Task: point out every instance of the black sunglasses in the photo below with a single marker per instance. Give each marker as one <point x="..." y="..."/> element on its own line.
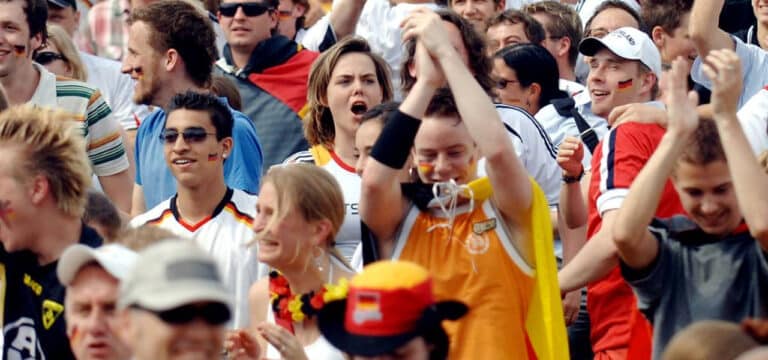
<point x="249" y="8"/>
<point x="212" y="313"/>
<point x="190" y="135"/>
<point x="47" y="57"/>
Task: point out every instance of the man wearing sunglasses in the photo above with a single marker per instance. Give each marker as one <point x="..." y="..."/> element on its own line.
<point x="26" y="82"/>
<point x="197" y="140"/>
<point x="165" y="60"/>
<point x="271" y="73"/>
<point x="174" y="304"/>
<point x="92" y="277"/>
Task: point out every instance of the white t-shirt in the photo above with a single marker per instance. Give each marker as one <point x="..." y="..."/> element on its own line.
<point x="754" y="62"/>
<point x="753" y="117"/>
<point x="225" y="235"/>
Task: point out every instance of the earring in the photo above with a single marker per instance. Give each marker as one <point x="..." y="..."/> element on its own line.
<point x="319" y="258"/>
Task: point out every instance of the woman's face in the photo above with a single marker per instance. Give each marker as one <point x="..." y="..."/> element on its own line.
<point x="50" y="57"/>
<point x="352" y="90"/>
<point x="444" y="151"/>
<point x="416" y="349"/>
<point x="508" y="88"/>
<point x="281" y="241"/>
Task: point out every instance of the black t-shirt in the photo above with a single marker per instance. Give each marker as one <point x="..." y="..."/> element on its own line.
<point x="32" y="301"/>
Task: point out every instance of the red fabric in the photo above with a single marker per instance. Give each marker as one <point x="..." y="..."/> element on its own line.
<point x="376" y="312"/>
<point x="288" y="81"/>
<point x="614" y="319"/>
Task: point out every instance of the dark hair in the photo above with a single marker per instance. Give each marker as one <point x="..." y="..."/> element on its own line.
<point x="442" y="104"/>
<point x="533" y="29"/>
<point x="613" y="4"/>
<point x="99" y="209"/>
<point x="220" y="115"/>
<point x="479" y="63"/>
<point x="564" y="21"/>
<point x="319" y="126"/>
<point x="705" y="146"/>
<point x="664" y="13"/>
<point x="37" y="15"/>
<point x="381" y="112"/>
<point x="178" y="25"/>
<point x="532" y="63"/>
<point x="224" y="87"/>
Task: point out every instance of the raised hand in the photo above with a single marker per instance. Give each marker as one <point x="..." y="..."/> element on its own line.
<point x="288" y="345"/>
<point x="569" y="156"/>
<point x="426" y="27"/>
<point x="241" y="345"/>
<point x="637" y="112"/>
<point x="427" y="69"/>
<point x="681" y="103"/>
<point x="723" y="68"/>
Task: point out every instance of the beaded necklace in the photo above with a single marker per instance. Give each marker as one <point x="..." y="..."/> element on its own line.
<point x="289" y="308"/>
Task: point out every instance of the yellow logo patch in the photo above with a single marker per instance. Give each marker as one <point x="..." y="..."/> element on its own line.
<point x="51" y="312"/>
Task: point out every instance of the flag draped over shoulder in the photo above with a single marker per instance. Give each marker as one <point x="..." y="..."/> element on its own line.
<point x="545" y="324"/>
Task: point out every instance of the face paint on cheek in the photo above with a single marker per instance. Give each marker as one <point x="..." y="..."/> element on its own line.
<point x="625" y="85"/>
<point x="213" y="157"/>
<point x="74" y="337"/>
<point x="425" y="168"/>
<point x="19" y="50"/>
<point x="6" y="212"/>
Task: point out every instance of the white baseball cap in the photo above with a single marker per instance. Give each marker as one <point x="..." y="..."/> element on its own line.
<point x="628" y="43"/>
<point x="116" y="259"/>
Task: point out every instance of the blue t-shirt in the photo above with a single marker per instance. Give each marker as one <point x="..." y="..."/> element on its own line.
<point x="242" y="169"/>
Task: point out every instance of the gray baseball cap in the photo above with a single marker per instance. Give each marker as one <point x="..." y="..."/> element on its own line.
<point x="171" y="274"/>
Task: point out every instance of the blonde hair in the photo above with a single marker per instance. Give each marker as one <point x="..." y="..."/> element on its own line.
<point x="140" y="237"/>
<point x="307" y="191"/>
<point x="709" y="340"/>
<point x="318" y="123"/>
<point x="50" y="144"/>
<point x="59" y="37"/>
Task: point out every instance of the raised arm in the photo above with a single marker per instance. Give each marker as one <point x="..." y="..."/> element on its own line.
<point x="572" y="206"/>
<point x="746" y="172"/>
<point x="512" y="189"/>
<point x="382" y="204"/>
<point x="704" y="27"/>
<point x="635" y="244"/>
<point x="344" y="16"/>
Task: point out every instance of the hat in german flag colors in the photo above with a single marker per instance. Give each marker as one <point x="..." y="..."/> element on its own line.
<point x="388" y="304"/>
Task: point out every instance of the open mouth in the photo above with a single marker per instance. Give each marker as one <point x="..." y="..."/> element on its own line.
<point x="182" y="161"/>
<point x="359" y="108"/>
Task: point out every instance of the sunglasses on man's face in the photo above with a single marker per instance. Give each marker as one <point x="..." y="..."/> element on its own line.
<point x="191" y="135"/>
<point x="249" y="8"/>
<point x="212" y="313"/>
<point x="47" y="57"/>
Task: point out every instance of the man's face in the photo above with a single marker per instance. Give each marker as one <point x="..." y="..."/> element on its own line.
<point x="552" y="44"/>
<point x="287" y="13"/>
<point x="477" y="12"/>
<point x="68" y="18"/>
<point x="243" y="31"/>
<point x="505" y="34"/>
<point x="16" y="45"/>
<point x="706" y="193"/>
<point x="197" y="158"/>
<point x="678" y="43"/>
<point x="444" y="150"/>
<point x="144" y="65"/>
<point x="614" y="81"/>
<point x="151" y="338"/>
<point x="760" y="8"/>
<point x="609" y="20"/>
<point x="15" y="210"/>
<point x="90" y="314"/>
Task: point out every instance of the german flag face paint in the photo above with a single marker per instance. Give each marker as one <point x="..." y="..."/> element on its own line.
<point x="19" y="50"/>
<point x="213" y="157"/>
<point x="6" y="212"/>
<point x="625" y="85"/>
<point x="426" y="168"/>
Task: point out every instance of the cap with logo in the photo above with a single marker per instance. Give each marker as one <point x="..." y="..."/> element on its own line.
<point x="115" y="259"/>
<point x="628" y="43"/>
<point x="171" y="274"/>
<point x="64" y="3"/>
<point x="388" y="304"/>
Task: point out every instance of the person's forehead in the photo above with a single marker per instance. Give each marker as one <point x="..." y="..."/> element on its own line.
<point x="93" y="272"/>
<point x="11" y="11"/>
<point x="607" y="55"/>
<point x="188" y="116"/>
<point x="613" y="18"/>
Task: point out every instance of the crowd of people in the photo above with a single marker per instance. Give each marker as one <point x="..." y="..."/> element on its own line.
<point x="380" y="179"/>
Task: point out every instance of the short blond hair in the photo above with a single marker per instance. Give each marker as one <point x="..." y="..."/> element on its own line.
<point x="308" y="191"/>
<point x="140" y="237"/>
<point x="709" y="340"/>
<point x="59" y="38"/>
<point x="49" y="144"/>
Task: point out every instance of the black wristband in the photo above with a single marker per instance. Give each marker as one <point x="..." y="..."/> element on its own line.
<point x="573" y="179"/>
<point x="396" y="139"/>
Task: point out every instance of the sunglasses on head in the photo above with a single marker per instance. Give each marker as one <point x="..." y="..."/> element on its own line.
<point x="47" y="57"/>
<point x="212" y="313"/>
<point x="249" y="8"/>
<point x="190" y="135"/>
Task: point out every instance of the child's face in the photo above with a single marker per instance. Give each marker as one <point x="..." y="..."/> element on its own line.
<point x="706" y="193"/>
